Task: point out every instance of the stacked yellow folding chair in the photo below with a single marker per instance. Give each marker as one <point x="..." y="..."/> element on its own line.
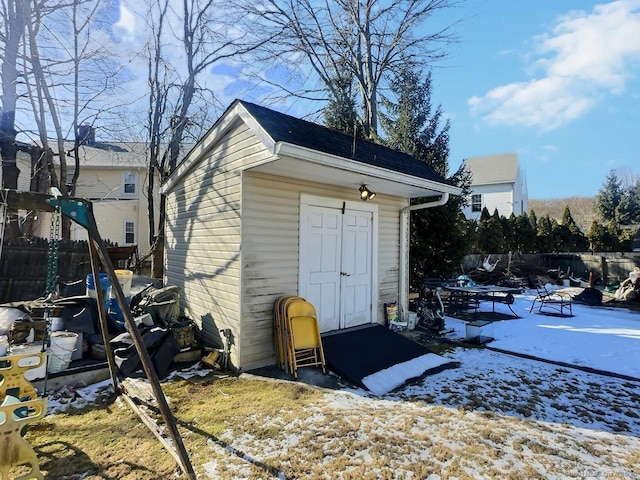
<point x="304" y="342"/>
<point x="281" y="329"/>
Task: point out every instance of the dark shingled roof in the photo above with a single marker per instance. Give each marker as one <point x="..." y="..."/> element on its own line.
<point x="285" y="128"/>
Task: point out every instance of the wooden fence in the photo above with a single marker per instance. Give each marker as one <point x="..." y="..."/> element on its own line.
<point x="608" y="267"/>
<point x="23" y="266"/>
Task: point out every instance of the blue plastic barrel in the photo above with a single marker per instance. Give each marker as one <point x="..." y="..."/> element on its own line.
<point x="104" y="286"/>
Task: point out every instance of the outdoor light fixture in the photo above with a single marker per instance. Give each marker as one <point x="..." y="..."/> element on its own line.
<point x="365" y="193"/>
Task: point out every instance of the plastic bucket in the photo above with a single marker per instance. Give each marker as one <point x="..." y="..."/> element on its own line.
<point x="104" y="287"/>
<point x="412" y="320"/>
<point x="125" y="278"/>
<point x="63" y="345"/>
<point x="57" y="323"/>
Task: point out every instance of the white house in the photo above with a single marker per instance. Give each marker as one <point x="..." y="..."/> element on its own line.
<point x="499" y="183"/>
<point x="114" y="176"/>
<point x="268" y="205"/>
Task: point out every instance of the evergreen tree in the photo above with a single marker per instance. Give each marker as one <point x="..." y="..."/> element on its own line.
<point x="508" y="244"/>
<point x="525" y="236"/>
<point x="412" y="125"/>
<point x="636" y="201"/>
<point x="534" y="220"/>
<point x="612" y="237"/>
<point x="560" y="236"/>
<point x="340" y="113"/>
<point x="625" y="239"/>
<point x="578" y="239"/>
<point x="484" y="214"/>
<point x="490" y="236"/>
<point x="608" y="197"/>
<point x="628" y="210"/>
<point x="574" y="240"/>
<point x="440" y="237"/>
<point x="544" y="238"/>
<point x="596" y="237"/>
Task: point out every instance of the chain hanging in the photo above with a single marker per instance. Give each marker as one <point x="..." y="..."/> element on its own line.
<point x="52" y="258"/>
<point x="3" y="219"/>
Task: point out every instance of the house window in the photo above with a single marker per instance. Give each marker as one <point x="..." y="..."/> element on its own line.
<point x="129" y="182"/>
<point x="476" y="203"/>
<point x="129" y="232"/>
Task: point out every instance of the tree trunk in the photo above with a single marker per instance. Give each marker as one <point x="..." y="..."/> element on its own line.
<point x="157" y="260"/>
<point x="13" y="30"/>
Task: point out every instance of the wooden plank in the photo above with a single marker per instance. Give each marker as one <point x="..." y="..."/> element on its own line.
<point x="140" y="390"/>
<point x="18" y="200"/>
<point x="156" y="430"/>
<point x="147" y="365"/>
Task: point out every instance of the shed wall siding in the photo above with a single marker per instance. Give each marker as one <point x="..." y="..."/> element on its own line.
<point x="270" y="246"/>
<point x="203" y="236"/>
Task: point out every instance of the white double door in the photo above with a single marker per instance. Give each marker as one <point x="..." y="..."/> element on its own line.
<point x="336" y="263"/>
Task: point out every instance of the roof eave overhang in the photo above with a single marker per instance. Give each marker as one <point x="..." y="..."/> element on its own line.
<point x="353" y="172"/>
<point x="420" y="186"/>
<point x="226" y="122"/>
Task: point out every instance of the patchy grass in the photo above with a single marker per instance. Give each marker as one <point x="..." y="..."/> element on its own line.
<point x="250" y="428"/>
<point x="107" y="441"/>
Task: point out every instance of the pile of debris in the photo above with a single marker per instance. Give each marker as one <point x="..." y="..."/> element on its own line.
<point x="629" y="289"/>
<point x="170" y="339"/>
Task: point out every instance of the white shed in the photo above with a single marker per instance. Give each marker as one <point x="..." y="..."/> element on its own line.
<point x="267" y="205"/>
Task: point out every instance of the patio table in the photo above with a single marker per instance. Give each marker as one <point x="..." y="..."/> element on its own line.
<point x="470" y="297"/>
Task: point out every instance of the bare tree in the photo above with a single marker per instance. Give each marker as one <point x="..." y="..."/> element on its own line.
<point x="207" y="32"/>
<point x="367" y="40"/>
<point x="11" y="32"/>
<point x="65" y="69"/>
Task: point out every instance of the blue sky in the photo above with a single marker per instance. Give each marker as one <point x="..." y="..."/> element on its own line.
<point x="554" y="81"/>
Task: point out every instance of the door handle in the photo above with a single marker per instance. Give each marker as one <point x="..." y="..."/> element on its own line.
<point x="345" y="274"/>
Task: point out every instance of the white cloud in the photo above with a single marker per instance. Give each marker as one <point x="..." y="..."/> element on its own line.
<point x="584" y="58"/>
<point x="125" y="27"/>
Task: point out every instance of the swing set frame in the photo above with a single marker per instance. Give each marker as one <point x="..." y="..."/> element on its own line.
<point x="81" y="212"/>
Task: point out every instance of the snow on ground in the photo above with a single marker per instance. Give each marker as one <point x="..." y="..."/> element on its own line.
<point x="603" y="338"/>
<point x="495" y="415"/>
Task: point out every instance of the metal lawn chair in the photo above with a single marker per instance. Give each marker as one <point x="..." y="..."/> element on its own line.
<point x="559" y="302"/>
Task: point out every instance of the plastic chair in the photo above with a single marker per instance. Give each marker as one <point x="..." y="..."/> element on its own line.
<point x="558" y="301"/>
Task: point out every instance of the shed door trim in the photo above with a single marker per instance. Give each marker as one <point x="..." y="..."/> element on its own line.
<point x="307" y="203"/>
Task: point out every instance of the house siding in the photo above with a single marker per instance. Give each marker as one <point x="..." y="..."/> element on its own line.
<point x="203" y="236"/>
<point x="520" y="199"/>
<point x="110" y="216"/>
<point x="24" y="177"/>
<point x="107" y="183"/>
<point x="501" y="182"/>
<point x="270" y="248"/>
<point x="498" y="196"/>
